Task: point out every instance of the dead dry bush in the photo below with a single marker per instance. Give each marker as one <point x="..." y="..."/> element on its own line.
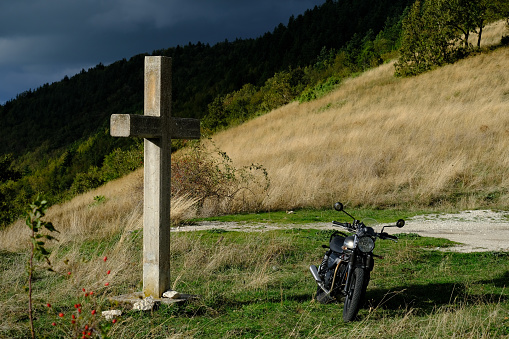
<point x="207" y="175"/>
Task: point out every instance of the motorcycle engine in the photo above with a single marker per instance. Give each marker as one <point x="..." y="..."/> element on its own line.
<point x="332" y="260"/>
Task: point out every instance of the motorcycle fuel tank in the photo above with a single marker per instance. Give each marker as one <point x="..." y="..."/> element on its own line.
<point x="336" y="244"/>
<point x="349" y="242"/>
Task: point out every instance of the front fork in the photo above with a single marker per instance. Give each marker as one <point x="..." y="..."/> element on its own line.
<point x="365" y="262"/>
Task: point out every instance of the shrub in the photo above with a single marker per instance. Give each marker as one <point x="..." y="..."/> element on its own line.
<point x="86" y="181"/>
<point x="34" y="213"/>
<point x="320" y="90"/>
<point x="120" y="162"/>
<point x="211" y="179"/>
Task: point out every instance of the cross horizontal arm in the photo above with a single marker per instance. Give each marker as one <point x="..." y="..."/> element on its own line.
<point x="184" y="128"/>
<point x="143" y="126"/>
<point x="132" y="125"/>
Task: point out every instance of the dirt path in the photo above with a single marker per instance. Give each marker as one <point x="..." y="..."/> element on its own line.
<point x="476" y="231"/>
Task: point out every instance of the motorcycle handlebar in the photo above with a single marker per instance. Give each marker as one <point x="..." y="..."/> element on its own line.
<point x="349" y="227"/>
<point x="342" y="224"/>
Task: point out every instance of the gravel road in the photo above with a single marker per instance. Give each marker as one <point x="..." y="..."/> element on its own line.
<point x="476" y="231"/>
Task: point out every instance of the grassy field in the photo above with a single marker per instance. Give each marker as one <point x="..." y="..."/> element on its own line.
<point x="258" y="285"/>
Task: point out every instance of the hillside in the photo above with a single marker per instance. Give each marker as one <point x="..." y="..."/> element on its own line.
<point x="66" y="111"/>
<point x="436" y="140"/>
<point x="439" y="139"/>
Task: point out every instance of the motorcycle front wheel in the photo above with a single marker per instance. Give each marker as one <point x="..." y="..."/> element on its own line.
<point x="354" y="295"/>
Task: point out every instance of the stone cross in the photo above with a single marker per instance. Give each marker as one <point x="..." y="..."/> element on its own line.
<point x="158" y="128"/>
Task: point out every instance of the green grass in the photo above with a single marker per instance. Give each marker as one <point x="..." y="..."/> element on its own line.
<point x="258" y="285"/>
<point x="303" y="216"/>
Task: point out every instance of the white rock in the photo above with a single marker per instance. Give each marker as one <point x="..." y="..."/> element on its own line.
<point x="171" y="294"/>
<point x="111" y="314"/>
<point x="145" y="305"/>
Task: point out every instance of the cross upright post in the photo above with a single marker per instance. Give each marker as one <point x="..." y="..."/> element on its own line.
<point x="158" y="128"/>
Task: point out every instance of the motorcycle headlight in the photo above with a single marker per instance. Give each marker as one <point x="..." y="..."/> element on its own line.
<point x="366" y="244"/>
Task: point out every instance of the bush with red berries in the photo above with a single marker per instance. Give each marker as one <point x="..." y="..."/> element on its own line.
<point x="83" y="321"/>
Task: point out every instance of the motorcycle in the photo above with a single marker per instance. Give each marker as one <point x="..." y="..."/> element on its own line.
<point x="346" y="266"/>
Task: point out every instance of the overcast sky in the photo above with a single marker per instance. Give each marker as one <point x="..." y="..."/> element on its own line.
<point x="41" y="41"/>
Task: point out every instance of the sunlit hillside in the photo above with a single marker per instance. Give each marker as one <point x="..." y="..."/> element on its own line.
<point x="438" y="139"/>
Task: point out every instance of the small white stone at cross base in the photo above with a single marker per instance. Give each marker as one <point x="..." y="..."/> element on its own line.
<point x="111" y="314"/>
<point x="145" y="305"/>
<point x="171" y="294"/>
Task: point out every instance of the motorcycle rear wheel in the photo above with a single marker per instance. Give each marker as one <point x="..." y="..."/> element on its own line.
<point x="354" y="296"/>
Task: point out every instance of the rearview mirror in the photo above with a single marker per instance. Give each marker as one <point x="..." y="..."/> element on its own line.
<point x="400" y="223"/>
<point x="338" y="206"/>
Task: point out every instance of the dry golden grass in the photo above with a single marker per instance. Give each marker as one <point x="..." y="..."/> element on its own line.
<point x="204" y="262"/>
<point x="85" y="218"/>
<point x="81" y="218"/>
<point x="491" y="35"/>
<point x="88" y="230"/>
<point x="380" y="140"/>
<point x="457" y="320"/>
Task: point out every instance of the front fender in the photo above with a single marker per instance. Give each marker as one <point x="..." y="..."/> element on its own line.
<point x="364" y="261"/>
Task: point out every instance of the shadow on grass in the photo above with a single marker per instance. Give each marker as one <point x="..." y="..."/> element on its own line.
<point x="427" y="297"/>
<point x="421" y="298"/>
<point x="502" y="281"/>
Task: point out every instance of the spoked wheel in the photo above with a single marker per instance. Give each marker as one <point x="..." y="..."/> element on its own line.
<point x="354" y="295"/>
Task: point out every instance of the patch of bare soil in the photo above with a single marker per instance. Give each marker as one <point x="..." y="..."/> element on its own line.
<point x="475" y="231"/>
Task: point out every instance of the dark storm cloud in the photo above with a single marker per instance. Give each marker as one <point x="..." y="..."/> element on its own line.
<point x="41" y="41"/>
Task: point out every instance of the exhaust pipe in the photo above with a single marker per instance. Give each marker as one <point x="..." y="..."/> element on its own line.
<point x="314" y="272"/>
<point x="319" y="281"/>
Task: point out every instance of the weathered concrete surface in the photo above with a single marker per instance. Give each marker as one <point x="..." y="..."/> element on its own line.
<point x="157" y="127"/>
<point x="137" y="298"/>
<point x="157" y="191"/>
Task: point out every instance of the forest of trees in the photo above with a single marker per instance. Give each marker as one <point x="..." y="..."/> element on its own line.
<point x="55" y="140"/>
